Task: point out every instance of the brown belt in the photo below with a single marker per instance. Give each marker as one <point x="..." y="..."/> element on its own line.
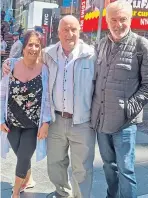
<point x="64" y="114"/>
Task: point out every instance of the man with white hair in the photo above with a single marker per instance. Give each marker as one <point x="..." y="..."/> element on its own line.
<point x="120" y="94"/>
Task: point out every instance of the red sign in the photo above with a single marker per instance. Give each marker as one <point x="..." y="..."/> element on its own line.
<point x="45" y="35"/>
<point x="89" y="18"/>
<point x="82" y="13"/>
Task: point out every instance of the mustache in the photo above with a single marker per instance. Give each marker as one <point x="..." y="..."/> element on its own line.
<point x="119" y="29"/>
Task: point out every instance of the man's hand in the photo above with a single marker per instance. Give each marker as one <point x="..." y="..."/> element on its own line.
<point x="4" y="128"/>
<point x="6" y="67"/>
<point x="43" y="131"/>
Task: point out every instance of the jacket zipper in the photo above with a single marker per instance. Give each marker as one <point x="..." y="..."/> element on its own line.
<point x="74" y="87"/>
<point x="55" y="77"/>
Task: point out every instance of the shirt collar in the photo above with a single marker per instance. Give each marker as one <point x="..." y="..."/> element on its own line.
<point x="72" y="55"/>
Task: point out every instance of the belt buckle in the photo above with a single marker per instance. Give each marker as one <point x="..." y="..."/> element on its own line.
<point x="64" y="116"/>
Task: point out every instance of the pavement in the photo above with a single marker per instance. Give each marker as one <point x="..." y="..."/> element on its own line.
<point x="44" y="186"/>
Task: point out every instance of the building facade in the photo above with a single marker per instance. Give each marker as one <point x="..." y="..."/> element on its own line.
<point x="6" y="4"/>
<point x="20" y="10"/>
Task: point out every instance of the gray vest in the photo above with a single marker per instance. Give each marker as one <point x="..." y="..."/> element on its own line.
<point x="121" y="86"/>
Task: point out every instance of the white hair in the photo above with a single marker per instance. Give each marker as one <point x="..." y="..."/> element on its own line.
<point x="119" y="5"/>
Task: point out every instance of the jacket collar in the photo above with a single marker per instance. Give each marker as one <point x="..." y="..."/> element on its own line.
<point x="84" y="50"/>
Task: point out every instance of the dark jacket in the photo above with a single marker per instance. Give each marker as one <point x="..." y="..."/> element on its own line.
<point x="121" y="83"/>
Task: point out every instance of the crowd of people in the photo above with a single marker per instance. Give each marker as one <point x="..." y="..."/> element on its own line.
<point x="10" y="38"/>
<point x="64" y="96"/>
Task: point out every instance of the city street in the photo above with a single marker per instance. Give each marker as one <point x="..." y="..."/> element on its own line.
<point x="44" y="187"/>
<point x="71" y="62"/>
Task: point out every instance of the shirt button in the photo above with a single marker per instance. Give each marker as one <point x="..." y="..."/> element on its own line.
<point x="104" y="77"/>
<point x="102" y="89"/>
<point x="101" y="113"/>
<point x="107" y="65"/>
<point x="101" y="101"/>
<point x="65" y="80"/>
<point x="64" y="89"/>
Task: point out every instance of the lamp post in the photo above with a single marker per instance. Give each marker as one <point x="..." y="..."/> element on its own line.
<point x="100" y="5"/>
<point x="99" y="25"/>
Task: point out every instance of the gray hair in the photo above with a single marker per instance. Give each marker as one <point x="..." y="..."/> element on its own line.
<point x="119" y="5"/>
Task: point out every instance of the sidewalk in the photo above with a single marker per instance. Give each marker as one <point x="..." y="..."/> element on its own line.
<point x="44" y="186"/>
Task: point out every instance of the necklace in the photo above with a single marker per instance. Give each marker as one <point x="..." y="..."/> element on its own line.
<point x="29" y="72"/>
<point x="31" y="67"/>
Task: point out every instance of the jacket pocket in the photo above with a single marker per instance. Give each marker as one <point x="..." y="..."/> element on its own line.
<point x="121" y="72"/>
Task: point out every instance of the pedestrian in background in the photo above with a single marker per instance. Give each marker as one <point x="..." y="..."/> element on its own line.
<point x="16" y="48"/>
<point x="3" y="45"/>
<point x="25" y="109"/>
<point x="22" y="38"/>
<point x="120" y="94"/>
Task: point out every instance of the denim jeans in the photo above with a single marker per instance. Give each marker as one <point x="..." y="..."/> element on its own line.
<point x="118" y="154"/>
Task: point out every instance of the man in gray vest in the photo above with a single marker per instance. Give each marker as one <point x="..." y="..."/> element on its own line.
<point x="120" y="94"/>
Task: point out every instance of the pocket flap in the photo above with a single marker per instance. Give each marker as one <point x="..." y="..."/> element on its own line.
<point x="123" y="66"/>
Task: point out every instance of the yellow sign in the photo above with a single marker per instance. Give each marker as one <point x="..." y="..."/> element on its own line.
<point x="140" y="13"/>
<point x="96" y="14"/>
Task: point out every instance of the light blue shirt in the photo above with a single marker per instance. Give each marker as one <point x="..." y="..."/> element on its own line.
<point x="63" y="89"/>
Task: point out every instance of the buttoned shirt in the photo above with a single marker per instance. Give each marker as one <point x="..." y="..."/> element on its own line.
<point x="63" y="89"/>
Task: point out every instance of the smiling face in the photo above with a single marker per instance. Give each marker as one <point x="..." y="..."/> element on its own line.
<point x="69" y="32"/>
<point x="33" y="48"/>
<point x="119" y="23"/>
<point x="118" y="17"/>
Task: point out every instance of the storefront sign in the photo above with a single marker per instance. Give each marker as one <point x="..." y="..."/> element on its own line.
<point x="82" y="13"/>
<point x="46" y="20"/>
<point x="69" y="3"/>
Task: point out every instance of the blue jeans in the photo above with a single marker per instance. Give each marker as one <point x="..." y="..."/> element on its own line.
<point x="118" y="154"/>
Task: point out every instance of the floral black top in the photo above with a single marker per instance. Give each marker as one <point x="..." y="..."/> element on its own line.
<point x="24" y="102"/>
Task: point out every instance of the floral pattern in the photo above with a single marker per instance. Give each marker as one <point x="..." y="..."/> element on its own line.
<point x="28" y="96"/>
